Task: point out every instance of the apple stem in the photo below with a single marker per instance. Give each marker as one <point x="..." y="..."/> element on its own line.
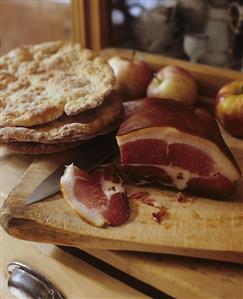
<point x="157" y="78"/>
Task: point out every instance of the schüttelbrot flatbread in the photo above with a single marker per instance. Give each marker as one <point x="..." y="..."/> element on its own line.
<point x="69" y="128"/>
<point x="40" y="83"/>
<point x="32" y="148"/>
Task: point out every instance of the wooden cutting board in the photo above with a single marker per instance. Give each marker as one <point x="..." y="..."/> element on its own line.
<point x="199" y="227"/>
<point x="178" y="276"/>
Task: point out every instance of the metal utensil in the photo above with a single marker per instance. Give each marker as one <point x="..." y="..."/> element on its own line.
<point x="91" y="155"/>
<point x="24" y="282"/>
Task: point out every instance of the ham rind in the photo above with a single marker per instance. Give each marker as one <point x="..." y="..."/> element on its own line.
<point x="165" y="141"/>
<point x="99" y="197"/>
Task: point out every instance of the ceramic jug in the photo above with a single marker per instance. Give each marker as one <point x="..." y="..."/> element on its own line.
<point x="218" y="34"/>
<point x="156" y="29"/>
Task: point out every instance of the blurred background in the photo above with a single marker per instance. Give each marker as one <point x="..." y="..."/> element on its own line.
<point x="33" y="21"/>
<point x="209" y="32"/>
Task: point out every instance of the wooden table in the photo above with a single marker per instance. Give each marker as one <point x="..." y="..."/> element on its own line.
<point x="180" y="277"/>
<point x="73" y="276"/>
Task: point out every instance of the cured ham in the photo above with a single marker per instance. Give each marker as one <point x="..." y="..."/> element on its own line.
<point x="99" y="197"/>
<point x="165" y="141"/>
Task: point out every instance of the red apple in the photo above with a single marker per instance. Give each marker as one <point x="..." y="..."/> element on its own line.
<point x="133" y="76"/>
<point x="229" y="107"/>
<point x="176" y="83"/>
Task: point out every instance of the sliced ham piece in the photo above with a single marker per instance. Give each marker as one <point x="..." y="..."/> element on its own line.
<point x="99" y="197"/>
<point x="167" y="142"/>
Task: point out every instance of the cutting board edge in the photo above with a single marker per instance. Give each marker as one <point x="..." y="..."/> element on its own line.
<point x="30" y="230"/>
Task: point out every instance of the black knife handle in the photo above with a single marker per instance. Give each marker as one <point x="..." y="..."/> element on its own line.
<point x="25" y="282"/>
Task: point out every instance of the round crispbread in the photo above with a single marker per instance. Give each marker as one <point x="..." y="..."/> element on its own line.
<point x="69" y="128"/>
<point x="33" y="148"/>
<point x="40" y="83"/>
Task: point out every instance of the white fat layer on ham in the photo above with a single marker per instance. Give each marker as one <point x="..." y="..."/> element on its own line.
<point x="171" y="135"/>
<point x="180" y="177"/>
<point x="68" y="179"/>
<point x="110" y="188"/>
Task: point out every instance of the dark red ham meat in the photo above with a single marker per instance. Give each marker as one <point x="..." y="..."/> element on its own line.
<point x="99" y="197"/>
<point x="165" y="141"/>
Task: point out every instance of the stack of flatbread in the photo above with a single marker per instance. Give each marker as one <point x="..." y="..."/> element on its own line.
<point x="54" y="96"/>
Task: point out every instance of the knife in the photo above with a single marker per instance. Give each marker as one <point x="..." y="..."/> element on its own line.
<point x="91" y="155"/>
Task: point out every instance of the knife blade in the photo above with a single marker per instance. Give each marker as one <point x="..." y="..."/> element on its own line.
<point x="90" y="155"/>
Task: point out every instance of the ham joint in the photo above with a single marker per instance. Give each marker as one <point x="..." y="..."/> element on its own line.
<point x="98" y="197"/>
<point x="167" y="142"/>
